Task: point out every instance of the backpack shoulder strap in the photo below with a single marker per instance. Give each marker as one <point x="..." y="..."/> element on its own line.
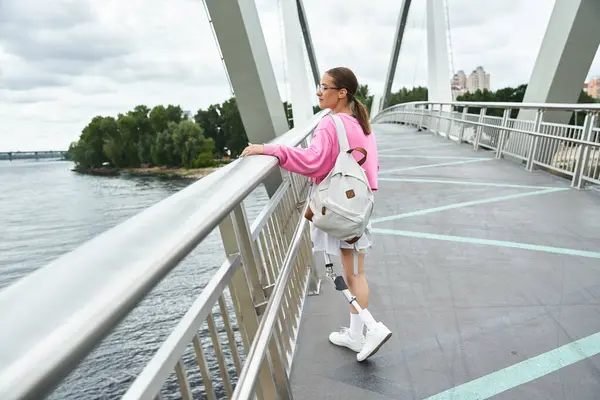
<point x="341" y="133"/>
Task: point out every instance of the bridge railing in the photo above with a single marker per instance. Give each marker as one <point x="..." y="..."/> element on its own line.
<point x="34" y="154"/>
<point x="55" y="316"/>
<point x="520" y="133"/>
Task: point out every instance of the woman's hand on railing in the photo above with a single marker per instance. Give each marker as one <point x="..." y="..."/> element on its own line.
<point x="253" y="149"/>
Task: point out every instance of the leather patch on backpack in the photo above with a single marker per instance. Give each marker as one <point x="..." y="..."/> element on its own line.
<point x="350" y="194"/>
<point x="323" y="210"/>
<point x="353" y="240"/>
<point x="309" y="214"/>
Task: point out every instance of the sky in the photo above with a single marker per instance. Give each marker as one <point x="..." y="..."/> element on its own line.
<point x="62" y="62"/>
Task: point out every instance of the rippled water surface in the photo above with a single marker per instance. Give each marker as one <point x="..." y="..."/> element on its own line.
<point x="47" y="210"/>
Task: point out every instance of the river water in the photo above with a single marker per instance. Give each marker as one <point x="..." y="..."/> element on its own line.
<point x="47" y="210"/>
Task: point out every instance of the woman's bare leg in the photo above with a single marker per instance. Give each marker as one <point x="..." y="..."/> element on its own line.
<point x="357" y="283"/>
<point x="377" y="332"/>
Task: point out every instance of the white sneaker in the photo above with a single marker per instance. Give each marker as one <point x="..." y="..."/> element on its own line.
<point x="374" y="340"/>
<point x="343" y="338"/>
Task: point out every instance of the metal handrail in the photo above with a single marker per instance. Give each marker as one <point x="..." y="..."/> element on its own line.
<point x="151" y="379"/>
<point x="576" y="157"/>
<point x="145" y="386"/>
<point x="491" y="104"/>
<point x="59" y="313"/>
<point x="248" y="377"/>
<point x="266" y="212"/>
<point x="523" y="131"/>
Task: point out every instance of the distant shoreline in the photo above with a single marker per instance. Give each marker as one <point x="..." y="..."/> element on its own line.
<point x="163" y="172"/>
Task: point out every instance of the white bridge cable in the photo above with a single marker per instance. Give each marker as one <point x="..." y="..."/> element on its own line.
<point x="449" y="36"/>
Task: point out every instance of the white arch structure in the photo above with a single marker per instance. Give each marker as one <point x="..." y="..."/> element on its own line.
<point x="567" y="51"/>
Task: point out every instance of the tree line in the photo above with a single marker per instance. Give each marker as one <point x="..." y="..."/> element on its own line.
<point x="161" y="136"/>
<point x="516" y="95"/>
<point x="167" y="136"/>
<point x="504" y="95"/>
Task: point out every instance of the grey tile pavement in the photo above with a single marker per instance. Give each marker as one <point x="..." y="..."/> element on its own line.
<point x="461" y="293"/>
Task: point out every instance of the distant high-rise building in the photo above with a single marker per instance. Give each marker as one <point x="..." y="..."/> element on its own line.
<point x="459" y="80"/>
<point x="477" y="80"/>
<point x="593" y="87"/>
<point x="458" y="84"/>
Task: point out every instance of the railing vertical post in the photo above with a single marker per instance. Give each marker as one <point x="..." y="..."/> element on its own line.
<point x="314" y="283"/>
<point x="249" y="254"/>
<point x="539" y="116"/>
<point x="244" y="303"/>
<point x="461" y="134"/>
<point x="479" y="129"/>
<point x="423" y="108"/>
<point x="503" y="132"/>
<point x="433" y="120"/>
<point x="450" y="123"/>
<point x="280" y="372"/>
<point x="439" y="122"/>
<point x="430" y="118"/>
<point x="582" y="158"/>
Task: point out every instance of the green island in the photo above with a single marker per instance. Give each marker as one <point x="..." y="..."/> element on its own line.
<point x="162" y="141"/>
<point x="166" y="141"/>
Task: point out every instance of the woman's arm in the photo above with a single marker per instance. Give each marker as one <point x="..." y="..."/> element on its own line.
<point x="313" y="161"/>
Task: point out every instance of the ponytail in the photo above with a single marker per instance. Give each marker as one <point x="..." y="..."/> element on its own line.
<point x="361" y="114"/>
<point x="344" y="78"/>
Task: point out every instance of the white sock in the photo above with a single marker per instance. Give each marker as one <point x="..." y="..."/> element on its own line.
<point x="368" y="319"/>
<point x="356" y="326"/>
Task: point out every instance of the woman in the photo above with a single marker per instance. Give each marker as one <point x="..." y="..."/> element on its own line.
<point x="337" y="92"/>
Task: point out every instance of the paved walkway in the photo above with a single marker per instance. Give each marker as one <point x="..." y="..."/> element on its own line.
<point x="488" y="275"/>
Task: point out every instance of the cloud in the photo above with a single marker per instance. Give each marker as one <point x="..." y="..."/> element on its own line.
<point x="66" y="61"/>
<point x="64" y="32"/>
<point x="468" y="14"/>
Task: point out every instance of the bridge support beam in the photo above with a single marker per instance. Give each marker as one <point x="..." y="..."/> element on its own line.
<point x="296" y="64"/>
<point x="438" y="64"/>
<point x="249" y="67"/>
<point x="310" y="48"/>
<point x="391" y="72"/>
<point x="565" y="57"/>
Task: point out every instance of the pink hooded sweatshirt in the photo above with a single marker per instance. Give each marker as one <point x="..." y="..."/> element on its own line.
<point x="317" y="160"/>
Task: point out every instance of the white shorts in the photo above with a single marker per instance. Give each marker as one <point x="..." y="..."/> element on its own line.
<point x="322" y="241"/>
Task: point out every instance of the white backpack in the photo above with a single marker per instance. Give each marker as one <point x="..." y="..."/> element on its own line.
<point x="341" y="205"/>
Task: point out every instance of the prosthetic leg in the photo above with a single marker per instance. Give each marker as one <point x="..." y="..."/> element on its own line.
<point x="340" y="284"/>
<point x="377" y="332"/>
